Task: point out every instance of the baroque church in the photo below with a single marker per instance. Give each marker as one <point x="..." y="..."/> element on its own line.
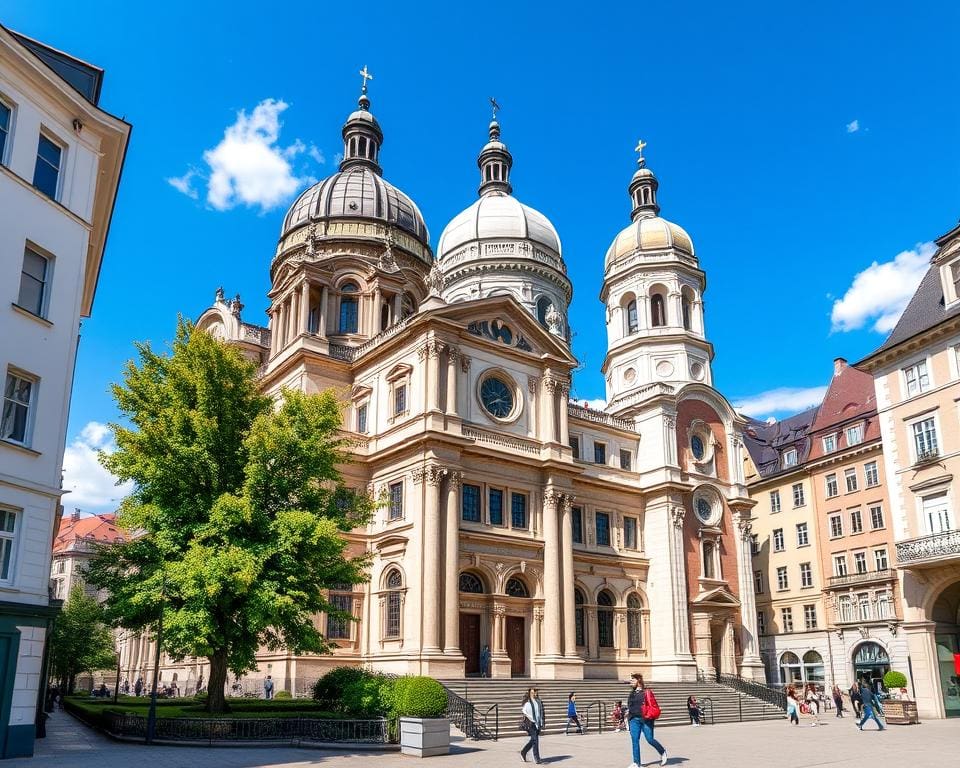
<point x="575" y="543"/>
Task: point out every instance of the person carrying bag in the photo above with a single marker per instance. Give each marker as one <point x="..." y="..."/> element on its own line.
<point x="642" y="713"/>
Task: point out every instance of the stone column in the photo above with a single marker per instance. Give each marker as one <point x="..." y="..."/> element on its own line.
<point x="548" y="411"/>
<point x="322" y="323"/>
<point x="377" y="308"/>
<point x="681" y="625"/>
<point x="451" y="380"/>
<point x="276" y="336"/>
<point x="749" y="639"/>
<point x="551" y="572"/>
<point x="591" y="629"/>
<point x="569" y="608"/>
<point x="430" y="354"/>
<point x="272" y="325"/>
<point x="451" y="576"/>
<point x="563" y="397"/>
<point x="397" y="307"/>
<point x="304" y="307"/>
<point x="290" y="319"/>
<point x="534" y="410"/>
<point x="431" y="559"/>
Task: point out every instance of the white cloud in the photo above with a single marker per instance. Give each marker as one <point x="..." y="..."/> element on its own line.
<point x="853" y="127"/>
<point x="182" y="184"/>
<point x="597" y="404"/>
<point x="783" y="400"/>
<point x="316" y="154"/>
<point x="92" y="488"/>
<point x="879" y="293"/>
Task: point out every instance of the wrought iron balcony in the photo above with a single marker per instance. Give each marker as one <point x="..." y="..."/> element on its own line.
<point x="928" y="455"/>
<point x="935" y="549"/>
<point x="866" y="577"/>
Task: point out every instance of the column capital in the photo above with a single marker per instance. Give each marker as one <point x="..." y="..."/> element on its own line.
<point x="454" y="478"/>
<point x="745" y="528"/>
<point x="464" y="362"/>
<point x="418" y="475"/>
<point x="676" y="515"/>
<point x="430" y="348"/>
<point x="533" y="383"/>
<point x="552" y="497"/>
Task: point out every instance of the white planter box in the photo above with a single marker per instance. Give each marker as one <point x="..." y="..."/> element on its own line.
<point x="422" y="737"/>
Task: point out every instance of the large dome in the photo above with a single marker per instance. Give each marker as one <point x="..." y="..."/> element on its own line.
<point x="498" y="216"/>
<point x="649" y="234"/>
<point x="357" y="193"/>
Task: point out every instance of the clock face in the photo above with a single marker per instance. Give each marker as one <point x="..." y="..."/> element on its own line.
<point x="696" y="445"/>
<point x="497" y="397"/>
<point x="704" y="510"/>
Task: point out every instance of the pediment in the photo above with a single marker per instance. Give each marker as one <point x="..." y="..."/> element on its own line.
<point x="719" y="596"/>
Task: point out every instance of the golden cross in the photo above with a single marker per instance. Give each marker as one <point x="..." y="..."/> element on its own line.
<point x="493" y="103"/>
<point x="639" y="150"/>
<point x="366" y="76"/>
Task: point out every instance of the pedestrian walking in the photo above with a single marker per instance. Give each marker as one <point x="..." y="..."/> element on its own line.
<point x="485" y="661"/>
<point x="532" y="722"/>
<point x="869" y="700"/>
<point x="642" y="714"/>
<point x="838" y="700"/>
<point x="138" y="687"/>
<point x="856" y="700"/>
<point x="572" y="716"/>
<point x="619" y="717"/>
<point x="793" y="706"/>
<point x="813" y="703"/>
<point x="693" y="709"/>
<point x="268" y="687"/>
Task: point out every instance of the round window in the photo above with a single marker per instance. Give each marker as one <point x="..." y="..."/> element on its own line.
<point x="696" y="447"/>
<point x="704" y="510"/>
<point x="496" y="396"/>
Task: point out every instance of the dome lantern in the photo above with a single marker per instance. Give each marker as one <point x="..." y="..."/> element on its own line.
<point x="362" y="137"/>
<point x="643" y="188"/>
<point x="495" y="160"/>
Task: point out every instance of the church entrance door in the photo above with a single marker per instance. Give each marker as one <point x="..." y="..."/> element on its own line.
<point x="516" y="646"/>
<point x="470" y="641"/>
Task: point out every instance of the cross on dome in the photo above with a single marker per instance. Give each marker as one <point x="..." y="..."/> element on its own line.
<point x="366" y="76"/>
<point x="639" y="150"/>
<point x="493" y="103"/>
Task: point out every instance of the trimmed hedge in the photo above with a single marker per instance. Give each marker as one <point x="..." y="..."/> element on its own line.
<point x="282" y="695"/>
<point x="360" y="693"/>
<point x="328" y="690"/>
<point x="420" y="697"/>
<point x="895" y="680"/>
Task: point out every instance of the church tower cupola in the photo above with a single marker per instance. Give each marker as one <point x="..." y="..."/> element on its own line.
<point x="643" y="188"/>
<point x="362" y="137"/>
<point x="495" y="161"/>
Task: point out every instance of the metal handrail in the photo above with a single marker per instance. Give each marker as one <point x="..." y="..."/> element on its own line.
<point x="703" y="710"/>
<point x="496" y="721"/>
<point x="752" y="688"/>
<point x="601" y="715"/>
<point x="463" y="714"/>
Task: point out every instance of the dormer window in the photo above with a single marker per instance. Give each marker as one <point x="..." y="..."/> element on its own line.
<point x="829" y="443"/>
<point x="854" y="435"/>
<point x="790" y="458"/>
<point x="658" y="315"/>
<point x="955" y="278"/>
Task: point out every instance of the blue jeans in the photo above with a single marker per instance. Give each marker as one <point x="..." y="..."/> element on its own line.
<point x="638" y="726"/>
<point x="533" y="744"/>
<point x="869" y="714"/>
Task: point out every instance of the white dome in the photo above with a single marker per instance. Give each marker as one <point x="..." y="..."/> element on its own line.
<point x="495" y="216"/>
<point x="651" y="233"/>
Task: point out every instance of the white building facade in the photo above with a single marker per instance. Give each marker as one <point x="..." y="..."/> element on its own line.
<point x="60" y="163"/>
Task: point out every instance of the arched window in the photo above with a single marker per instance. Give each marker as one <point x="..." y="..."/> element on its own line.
<point x="658" y="313"/>
<point x="341" y="600"/>
<point x="394" y="603"/>
<point x="349" y="304"/>
<point x="516" y="588"/>
<point x="790" y="670"/>
<point x="632" y="324"/>
<point x="578" y="601"/>
<point x="605" y="604"/>
<point x="543" y="304"/>
<point x="384" y="317"/>
<point x="471" y="583"/>
<point x="686" y="310"/>
<point x="813" y="671"/>
<point x="634" y="634"/>
<point x="709" y="560"/>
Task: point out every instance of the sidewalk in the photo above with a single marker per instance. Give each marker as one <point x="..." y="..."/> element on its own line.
<point x="70" y="744"/>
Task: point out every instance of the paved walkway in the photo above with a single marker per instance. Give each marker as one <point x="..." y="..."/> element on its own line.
<point x="70" y="744"/>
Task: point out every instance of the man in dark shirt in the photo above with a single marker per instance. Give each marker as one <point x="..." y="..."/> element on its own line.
<point x="869" y="705"/>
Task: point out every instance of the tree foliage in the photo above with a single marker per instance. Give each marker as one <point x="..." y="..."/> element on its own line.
<point x="80" y="641"/>
<point x="239" y="509"/>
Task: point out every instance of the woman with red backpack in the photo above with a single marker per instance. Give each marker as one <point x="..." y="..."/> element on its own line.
<point x="642" y="713"/>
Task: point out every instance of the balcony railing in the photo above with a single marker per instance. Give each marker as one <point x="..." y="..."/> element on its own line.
<point x="928" y="455"/>
<point x="939" y="546"/>
<point x="886" y="574"/>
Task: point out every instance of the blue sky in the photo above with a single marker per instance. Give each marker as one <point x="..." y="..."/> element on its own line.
<point x="798" y="144"/>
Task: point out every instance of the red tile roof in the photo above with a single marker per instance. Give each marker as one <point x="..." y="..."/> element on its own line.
<point x="99" y="528"/>
<point x="850" y="398"/>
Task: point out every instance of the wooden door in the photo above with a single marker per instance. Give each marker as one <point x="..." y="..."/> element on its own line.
<point x="470" y="641"/>
<point x="517" y="645"/>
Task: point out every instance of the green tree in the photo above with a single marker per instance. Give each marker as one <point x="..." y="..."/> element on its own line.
<point x="80" y="641"/>
<point x="239" y="509"/>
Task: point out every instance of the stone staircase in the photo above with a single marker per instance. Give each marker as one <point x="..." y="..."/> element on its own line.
<point x="595" y="700"/>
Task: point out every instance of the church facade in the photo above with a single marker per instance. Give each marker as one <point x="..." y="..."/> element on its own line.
<point x="575" y="543"/>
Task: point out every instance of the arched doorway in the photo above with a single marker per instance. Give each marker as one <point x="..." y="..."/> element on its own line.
<point x="516" y="628"/>
<point x="870" y="663"/>
<point x="790" y="670"/>
<point x="946" y="614"/>
<point x="471" y="584"/>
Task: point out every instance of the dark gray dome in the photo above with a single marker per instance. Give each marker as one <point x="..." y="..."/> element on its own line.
<point x="357" y="192"/>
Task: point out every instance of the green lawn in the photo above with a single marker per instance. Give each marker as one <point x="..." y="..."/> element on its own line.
<point x="188" y="707"/>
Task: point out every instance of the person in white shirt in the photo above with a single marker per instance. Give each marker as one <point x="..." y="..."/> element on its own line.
<point x="532" y="723"/>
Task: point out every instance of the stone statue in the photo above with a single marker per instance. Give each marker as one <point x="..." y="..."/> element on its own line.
<point x="435" y="280"/>
<point x="554" y="321"/>
<point x="235" y="306"/>
<point x="219" y="294"/>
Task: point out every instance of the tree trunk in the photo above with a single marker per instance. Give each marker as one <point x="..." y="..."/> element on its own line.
<point x="216" y="700"/>
<point x="71" y="684"/>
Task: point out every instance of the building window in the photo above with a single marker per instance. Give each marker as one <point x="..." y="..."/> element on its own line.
<point x="349" y="306"/>
<point x="754" y="544"/>
<point x="916" y="378"/>
<point x="470" y="503"/>
<point x="854" y="435"/>
<point x="758" y="582"/>
<point x="778" y="540"/>
<point x="495" y="506"/>
<point x="630" y="533"/>
<point x="575" y="446"/>
<point x="850" y="476"/>
<point x="870" y="474"/>
<point x="634" y="634"/>
<point x="33" y="283"/>
<point x="396" y="501"/>
<point x="836" y="526"/>
<point x="782" y="582"/>
<point x="936" y="513"/>
<point x="709" y="556"/>
<point x="761" y="623"/>
<point x="803" y="538"/>
<point x="810" y="617"/>
<point x="5" y="113"/>
<point x="625" y="459"/>
<point x="925" y="438"/>
<point x="806" y="575"/>
<point x="798" y="499"/>
<point x="394" y="583"/>
<point x="46" y="173"/>
<point x="831" y="485"/>
<point x="884" y="605"/>
<point x="599" y="453"/>
<point x="863" y="604"/>
<point x="685" y="312"/>
<point x="8" y="536"/>
<point x="786" y="618"/>
<point x="856" y="521"/>
<point x="605" y="619"/>
<point x="399" y="400"/>
<point x="518" y="510"/>
<point x="880" y="559"/>
<point x="577" y="525"/>
<point x="339" y="628"/>
<point x="18" y="398"/>
<point x="774" y="501"/>
<point x="470" y="583"/>
<point x="876" y="517"/>
<point x="829" y="443"/>
<point x="362" y="419"/>
<point x="790" y="457"/>
<point x="632" y="324"/>
<point x="657" y="311"/>
<point x="578" y="601"/>
<point x="860" y="562"/>
<point x="839" y="565"/>
<point x="603" y="529"/>
<point x="846" y="608"/>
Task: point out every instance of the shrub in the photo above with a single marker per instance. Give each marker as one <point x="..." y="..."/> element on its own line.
<point x="895" y="680"/>
<point x="329" y="689"/>
<point x="283" y="695"/>
<point x="420" y="697"/>
<point x="366" y="697"/>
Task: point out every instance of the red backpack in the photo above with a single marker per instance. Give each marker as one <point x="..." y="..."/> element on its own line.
<point x="649" y="710"/>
